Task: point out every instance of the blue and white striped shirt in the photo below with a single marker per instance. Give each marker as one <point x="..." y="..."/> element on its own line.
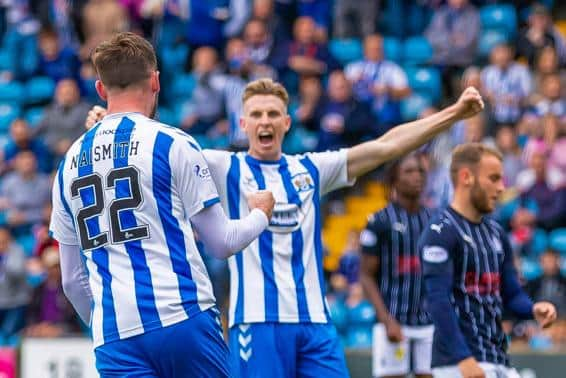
<point x="125" y="193"/>
<point x="278" y="278"/>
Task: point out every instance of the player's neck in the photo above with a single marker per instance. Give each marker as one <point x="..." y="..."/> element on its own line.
<point x="412" y="205"/>
<point x="276" y="156"/>
<point x="464" y="207"/>
<point x="129" y="102"/>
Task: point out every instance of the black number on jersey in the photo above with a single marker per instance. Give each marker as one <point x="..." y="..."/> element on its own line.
<point x="118" y="234"/>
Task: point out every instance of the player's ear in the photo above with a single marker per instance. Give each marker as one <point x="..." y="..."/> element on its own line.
<point x="101" y="90"/>
<point x="287" y="122"/>
<point x="154" y="80"/>
<point x="466" y="176"/>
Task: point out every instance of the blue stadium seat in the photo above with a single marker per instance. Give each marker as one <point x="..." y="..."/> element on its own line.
<point x="170" y="32"/>
<point x="182" y="87"/>
<point x="8" y="113"/>
<point x="412" y="106"/>
<point x="173" y="59"/>
<point x="499" y="16"/>
<point x="392" y="49"/>
<point x="167" y="116"/>
<point x="339" y="315"/>
<point x="530" y="268"/>
<point x="557" y="240"/>
<point x="425" y="81"/>
<point x="34" y="115"/>
<point x="39" y="90"/>
<point x="539" y="242"/>
<point x="7" y="61"/>
<point x="346" y="50"/>
<point x="417" y="51"/>
<point x="11" y="92"/>
<point x="489" y="39"/>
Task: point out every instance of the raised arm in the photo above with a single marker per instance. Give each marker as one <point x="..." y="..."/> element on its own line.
<point x="398" y="141"/>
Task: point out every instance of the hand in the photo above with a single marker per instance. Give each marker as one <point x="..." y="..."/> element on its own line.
<point x="469" y="104"/>
<point x="94" y="115"/>
<point x="263" y="200"/>
<point x="393" y="329"/>
<point x="544" y="313"/>
<point x="380" y="89"/>
<point x="469" y="368"/>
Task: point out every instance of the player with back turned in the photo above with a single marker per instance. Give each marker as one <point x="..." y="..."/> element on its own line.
<point x="125" y="200"/>
<point x="469" y="273"/>
<point x="391" y="275"/>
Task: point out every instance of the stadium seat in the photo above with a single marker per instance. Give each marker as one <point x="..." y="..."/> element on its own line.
<point x="392" y="49"/>
<point x="412" y="106"/>
<point x="167" y="116"/>
<point x="489" y="39"/>
<point x="8" y="113"/>
<point x="182" y="87"/>
<point x="416" y="51"/>
<point x="346" y="50"/>
<point x="34" y="115"/>
<point x="11" y="92"/>
<point x="499" y="16"/>
<point x="7" y="61"/>
<point x="170" y="32"/>
<point x="557" y="240"/>
<point x="425" y="81"/>
<point x="360" y="323"/>
<point x="174" y="58"/>
<point x="539" y="242"/>
<point x="530" y="269"/>
<point x="39" y="90"/>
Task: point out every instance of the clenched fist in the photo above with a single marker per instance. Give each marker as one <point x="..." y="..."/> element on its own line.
<point x="94" y="115"/>
<point x="263" y="200"/>
<point x="469" y="104"/>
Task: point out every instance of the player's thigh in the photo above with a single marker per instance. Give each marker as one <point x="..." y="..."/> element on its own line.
<point x="421" y="353"/>
<point x="388" y="359"/>
<point x="122" y="358"/>
<point x="320" y="353"/>
<point x="446" y="372"/>
<point x="260" y="350"/>
<point x="193" y="348"/>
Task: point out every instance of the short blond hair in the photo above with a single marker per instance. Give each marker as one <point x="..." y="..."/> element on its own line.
<point x="469" y="154"/>
<point x="265" y="87"/>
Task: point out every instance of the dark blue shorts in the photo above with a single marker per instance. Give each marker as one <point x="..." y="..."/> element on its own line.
<point x="193" y="348"/>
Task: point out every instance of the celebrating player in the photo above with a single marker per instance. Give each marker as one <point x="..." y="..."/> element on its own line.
<point x="391" y="275"/>
<point x="123" y="203"/>
<point x="279" y="320"/>
<point x="469" y="274"/>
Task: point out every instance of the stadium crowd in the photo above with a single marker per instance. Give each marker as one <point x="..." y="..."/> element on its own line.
<point x="354" y="69"/>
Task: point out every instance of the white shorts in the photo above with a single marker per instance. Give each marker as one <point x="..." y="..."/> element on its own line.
<point x="491" y="371"/>
<point x="395" y="358"/>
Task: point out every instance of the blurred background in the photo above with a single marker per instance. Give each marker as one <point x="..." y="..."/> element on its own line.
<point x="354" y="69"/>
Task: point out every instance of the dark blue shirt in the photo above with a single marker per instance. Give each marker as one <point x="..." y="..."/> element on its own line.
<point x="469" y="280"/>
<point x="392" y="235"/>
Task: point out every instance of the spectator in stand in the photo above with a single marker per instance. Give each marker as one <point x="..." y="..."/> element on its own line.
<point x="379" y="82"/>
<point x="355" y="18"/>
<point x="542" y="201"/>
<point x="55" y="60"/>
<point x="206" y="106"/>
<point x="506" y="143"/>
<point x="100" y="20"/>
<point x="303" y="55"/>
<point x="14" y="290"/>
<point x="21" y="139"/>
<point x="349" y="265"/>
<point x="538" y="34"/>
<point x="63" y="120"/>
<point x="320" y="12"/>
<point x="260" y="46"/>
<point x="264" y="10"/>
<point x="49" y="313"/>
<point x="309" y="97"/>
<point x="551" y="100"/>
<point x="343" y="120"/>
<point x="506" y="85"/>
<point x="453" y="33"/>
<point x="551" y="286"/>
<point x="24" y="193"/>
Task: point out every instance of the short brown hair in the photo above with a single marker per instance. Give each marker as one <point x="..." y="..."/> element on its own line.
<point x="265" y="87"/>
<point x="124" y="60"/>
<point x="469" y="154"/>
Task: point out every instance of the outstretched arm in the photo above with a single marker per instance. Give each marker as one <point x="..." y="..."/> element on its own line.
<point x="400" y="140"/>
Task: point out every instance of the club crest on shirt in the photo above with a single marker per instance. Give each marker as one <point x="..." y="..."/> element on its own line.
<point x="302" y="182"/>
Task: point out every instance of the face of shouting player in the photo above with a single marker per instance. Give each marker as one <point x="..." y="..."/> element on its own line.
<point x="487" y="185"/>
<point x="265" y="122"/>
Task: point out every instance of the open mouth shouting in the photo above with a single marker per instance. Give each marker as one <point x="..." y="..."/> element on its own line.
<point x="266" y="138"/>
